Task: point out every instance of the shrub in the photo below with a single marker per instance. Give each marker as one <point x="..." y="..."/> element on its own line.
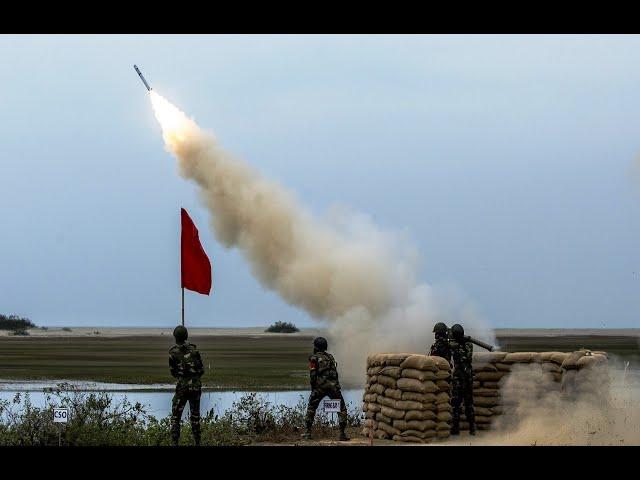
<point x="66" y="329"/>
<point x="19" y="331"/>
<point x="14" y="322"/>
<point x="96" y="419"/>
<point x="282" y="327"/>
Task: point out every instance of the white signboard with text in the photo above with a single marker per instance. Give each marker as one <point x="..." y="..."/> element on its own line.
<point x="331" y="406"/>
<point x="60" y="415"/>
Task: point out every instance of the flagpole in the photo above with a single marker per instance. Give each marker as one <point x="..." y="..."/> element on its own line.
<point x="183" y="306"/>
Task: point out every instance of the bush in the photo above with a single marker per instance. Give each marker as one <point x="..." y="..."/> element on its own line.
<point x="66" y="329"/>
<point x="19" y="331"/>
<point x="14" y="322"/>
<point x="95" y="419"/>
<point x="282" y="327"/>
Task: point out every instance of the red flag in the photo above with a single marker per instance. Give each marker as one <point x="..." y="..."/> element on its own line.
<point x="195" y="265"/>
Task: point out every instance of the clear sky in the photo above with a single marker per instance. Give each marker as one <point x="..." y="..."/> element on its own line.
<point x="507" y="159"/>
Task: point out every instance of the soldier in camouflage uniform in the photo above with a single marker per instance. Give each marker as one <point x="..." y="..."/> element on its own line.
<point x="441" y="347"/>
<point x="323" y="371"/>
<point x="186" y="366"/>
<point x="462" y="380"/>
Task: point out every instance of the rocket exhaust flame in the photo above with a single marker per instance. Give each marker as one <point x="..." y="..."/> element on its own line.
<point x="358" y="278"/>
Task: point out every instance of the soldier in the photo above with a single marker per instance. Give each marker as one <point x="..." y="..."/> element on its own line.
<point x="323" y="372"/>
<point x="186" y="366"/>
<point x="441" y="347"/>
<point x="462" y="380"/>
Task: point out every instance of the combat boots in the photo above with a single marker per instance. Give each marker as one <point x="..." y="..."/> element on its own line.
<point x="307" y="434"/>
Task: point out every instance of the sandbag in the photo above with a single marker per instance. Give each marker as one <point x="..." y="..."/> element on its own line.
<point x="503" y="367"/>
<point x="370" y="397"/>
<point x="424" y="362"/>
<point x="377" y="388"/>
<point x="385" y="427"/>
<point x="443" y="416"/>
<point x="419" y="397"/>
<point x="497" y="410"/>
<point x="409" y="439"/>
<point x="443" y="407"/>
<point x="387" y="402"/>
<point x="418" y="433"/>
<point x="521" y="357"/>
<point x="443" y="385"/>
<point x="443" y="374"/>
<point x="420" y="425"/>
<point x="488" y="357"/>
<point x="393" y="393"/>
<point x="592" y="361"/>
<point x="487" y="401"/>
<point x="393" y="359"/>
<point x="486" y="392"/>
<point x="483" y="411"/>
<point x="551" y="367"/>
<point x="413" y="385"/>
<point x="571" y="361"/>
<point x="421" y="375"/>
<point x="482" y="419"/>
<point x="373" y="407"/>
<point x="374" y="370"/>
<point x="485" y="367"/>
<point x="420" y="415"/>
<point x="383" y="418"/>
<point x="393" y="372"/>
<point x="443" y="426"/>
<point x="380" y="434"/>
<point x="488" y="376"/>
<point x="442" y="397"/>
<point x="389" y="382"/>
<point x="440" y="434"/>
<point x="370" y="424"/>
<point x="409" y="405"/>
<point x="490" y="385"/>
<point x="392" y="413"/>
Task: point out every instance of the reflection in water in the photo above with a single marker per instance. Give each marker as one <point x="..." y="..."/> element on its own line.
<point x="158" y="404"/>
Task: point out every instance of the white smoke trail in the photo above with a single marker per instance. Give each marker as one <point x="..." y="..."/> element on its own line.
<point x="360" y="279"/>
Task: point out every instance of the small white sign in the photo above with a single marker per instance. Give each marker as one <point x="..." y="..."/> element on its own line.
<point x="331" y="406"/>
<point x="60" y="415"/>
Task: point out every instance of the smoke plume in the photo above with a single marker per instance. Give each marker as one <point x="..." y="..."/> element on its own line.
<point x="344" y="270"/>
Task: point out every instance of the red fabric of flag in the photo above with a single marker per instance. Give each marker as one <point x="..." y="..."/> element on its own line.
<point x="195" y="265"/>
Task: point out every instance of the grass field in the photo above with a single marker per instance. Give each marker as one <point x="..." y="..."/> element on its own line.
<point x="243" y="362"/>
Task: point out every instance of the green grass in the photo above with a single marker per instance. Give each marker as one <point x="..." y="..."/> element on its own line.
<point x="231" y="362"/>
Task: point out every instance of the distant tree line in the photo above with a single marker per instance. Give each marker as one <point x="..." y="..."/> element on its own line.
<point x="14" y="322"/>
<point x="282" y="327"/>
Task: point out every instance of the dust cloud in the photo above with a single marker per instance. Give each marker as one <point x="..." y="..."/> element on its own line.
<point x="342" y="269"/>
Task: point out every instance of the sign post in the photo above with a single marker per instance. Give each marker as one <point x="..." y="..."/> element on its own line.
<point x="60" y="415"/>
<point x="331" y="406"/>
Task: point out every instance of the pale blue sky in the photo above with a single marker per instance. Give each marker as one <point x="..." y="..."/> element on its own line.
<point x="505" y="158"/>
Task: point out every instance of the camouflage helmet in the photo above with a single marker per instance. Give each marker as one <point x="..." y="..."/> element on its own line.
<point x="457" y="331"/>
<point x="320" y="344"/>
<point x="440" y="328"/>
<point x="180" y="333"/>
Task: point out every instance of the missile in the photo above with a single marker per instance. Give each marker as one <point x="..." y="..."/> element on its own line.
<point x="142" y="78"/>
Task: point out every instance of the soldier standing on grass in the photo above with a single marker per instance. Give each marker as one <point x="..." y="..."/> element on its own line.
<point x="462" y="380"/>
<point x="323" y="372"/>
<point x="186" y="366"/>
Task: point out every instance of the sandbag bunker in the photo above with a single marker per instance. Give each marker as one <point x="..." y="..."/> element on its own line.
<point x="408" y="396"/>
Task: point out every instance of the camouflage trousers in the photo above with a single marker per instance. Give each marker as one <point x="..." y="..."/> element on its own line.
<point x="462" y="391"/>
<point x="317" y="394"/>
<point x="180" y="399"/>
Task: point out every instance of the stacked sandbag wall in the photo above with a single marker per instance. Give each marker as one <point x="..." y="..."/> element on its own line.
<point x="501" y="381"/>
<point x="406" y="397"/>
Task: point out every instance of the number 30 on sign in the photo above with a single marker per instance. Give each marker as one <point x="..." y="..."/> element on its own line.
<point x="331" y="406"/>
